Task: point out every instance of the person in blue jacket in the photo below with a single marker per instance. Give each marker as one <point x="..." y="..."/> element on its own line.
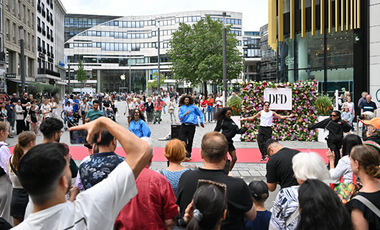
<point x="137" y="124"/>
<point x="188" y="114"/>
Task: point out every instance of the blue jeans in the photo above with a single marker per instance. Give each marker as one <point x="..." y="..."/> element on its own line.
<point x="204" y="111"/>
<point x="209" y="110"/>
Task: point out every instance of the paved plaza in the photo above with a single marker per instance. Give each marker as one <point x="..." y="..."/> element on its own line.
<point x="246" y="171"/>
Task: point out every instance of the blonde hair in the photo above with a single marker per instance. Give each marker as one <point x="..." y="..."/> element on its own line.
<point x="3" y="126"/>
<point x="175" y="150"/>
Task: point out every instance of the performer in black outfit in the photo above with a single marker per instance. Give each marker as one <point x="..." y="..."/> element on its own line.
<point x="229" y="130"/>
<point x="336" y="126"/>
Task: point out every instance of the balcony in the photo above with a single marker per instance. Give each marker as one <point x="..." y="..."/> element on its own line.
<point x="48" y="54"/>
<point x="44" y="51"/>
<point x="49" y="72"/>
<point x="52" y="55"/>
<point x="39" y="49"/>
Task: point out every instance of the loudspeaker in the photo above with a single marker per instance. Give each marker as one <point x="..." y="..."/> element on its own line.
<point x="175" y="131"/>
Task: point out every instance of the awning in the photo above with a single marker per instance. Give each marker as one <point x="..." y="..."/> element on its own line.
<point x="19" y="81"/>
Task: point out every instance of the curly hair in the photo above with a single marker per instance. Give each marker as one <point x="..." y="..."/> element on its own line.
<point x="221" y="113"/>
<point x="132" y="115"/>
<point x="182" y="100"/>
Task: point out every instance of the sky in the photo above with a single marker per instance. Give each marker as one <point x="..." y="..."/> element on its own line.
<point x="255" y="12"/>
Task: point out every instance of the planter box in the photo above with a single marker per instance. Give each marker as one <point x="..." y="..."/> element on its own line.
<point x="322" y="134"/>
<point x="238" y="123"/>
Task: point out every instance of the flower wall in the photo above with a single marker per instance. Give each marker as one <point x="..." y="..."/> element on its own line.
<point x="304" y="95"/>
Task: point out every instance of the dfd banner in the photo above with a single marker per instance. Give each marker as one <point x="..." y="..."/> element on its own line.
<point x="280" y="98"/>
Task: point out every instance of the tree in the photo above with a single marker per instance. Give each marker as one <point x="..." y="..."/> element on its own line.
<point x="154" y="83"/>
<point x="81" y="74"/>
<point x="49" y="89"/>
<point x="197" y="53"/>
<point x="35" y="88"/>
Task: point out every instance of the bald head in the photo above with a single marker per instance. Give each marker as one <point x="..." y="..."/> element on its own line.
<point x="214" y="147"/>
<point x="272" y="147"/>
<point x="368" y="98"/>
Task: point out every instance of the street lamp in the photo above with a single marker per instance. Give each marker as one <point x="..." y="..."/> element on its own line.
<point x="130" y="74"/>
<point x="224" y="61"/>
<point x="21" y="33"/>
<point x="159" y="71"/>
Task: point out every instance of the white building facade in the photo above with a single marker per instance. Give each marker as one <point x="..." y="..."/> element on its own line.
<point x="128" y="46"/>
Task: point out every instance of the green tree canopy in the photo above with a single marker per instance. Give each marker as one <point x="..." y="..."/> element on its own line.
<point x="197" y="53"/>
<point x="154" y="83"/>
<point x="81" y="74"/>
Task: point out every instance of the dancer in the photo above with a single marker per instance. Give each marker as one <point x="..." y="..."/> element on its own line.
<point x="229" y="130"/>
<point x="336" y="126"/>
<point x="188" y="114"/>
<point x="265" y="127"/>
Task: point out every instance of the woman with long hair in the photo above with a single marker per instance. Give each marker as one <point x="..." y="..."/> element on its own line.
<point x="336" y="126"/>
<point x="208" y="208"/>
<point x="5" y="183"/>
<point x="365" y="161"/>
<point x="229" y="130"/>
<point x="26" y="141"/>
<point x="285" y="213"/>
<point x="343" y="168"/>
<point x="175" y="152"/>
<point x="137" y="124"/>
<point x="320" y="208"/>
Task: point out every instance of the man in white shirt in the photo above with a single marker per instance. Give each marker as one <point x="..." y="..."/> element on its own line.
<point x="46" y="109"/>
<point x="96" y="208"/>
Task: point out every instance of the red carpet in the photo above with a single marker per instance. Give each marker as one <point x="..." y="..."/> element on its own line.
<point x="244" y="155"/>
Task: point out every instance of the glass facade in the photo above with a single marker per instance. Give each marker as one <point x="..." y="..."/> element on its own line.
<point x="326" y="58"/>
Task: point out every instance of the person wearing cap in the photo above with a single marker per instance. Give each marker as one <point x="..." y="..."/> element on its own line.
<point x="373" y="127"/>
<point x="260" y="193"/>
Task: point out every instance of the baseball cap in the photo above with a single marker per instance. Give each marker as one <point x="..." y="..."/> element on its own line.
<point x="374" y="122"/>
<point x="259" y="190"/>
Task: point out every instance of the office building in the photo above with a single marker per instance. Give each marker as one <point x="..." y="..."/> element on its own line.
<point x="19" y="15"/>
<point x="110" y="46"/>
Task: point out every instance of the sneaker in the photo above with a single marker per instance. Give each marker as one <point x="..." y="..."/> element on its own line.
<point x="263" y="158"/>
<point x="154" y="123"/>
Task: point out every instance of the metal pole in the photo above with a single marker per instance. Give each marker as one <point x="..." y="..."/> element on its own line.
<point x="224" y="61"/>
<point x="159" y="71"/>
<point x="68" y="65"/>
<point x="22" y="59"/>
<point x="130" y="74"/>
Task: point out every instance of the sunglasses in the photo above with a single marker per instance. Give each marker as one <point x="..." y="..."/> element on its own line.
<point x="334" y="116"/>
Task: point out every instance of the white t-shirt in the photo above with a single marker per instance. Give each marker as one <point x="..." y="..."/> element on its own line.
<point x="95" y="208"/>
<point x="68" y="108"/>
<point x="219" y="100"/>
<point x="266" y="119"/>
<point x="46" y="108"/>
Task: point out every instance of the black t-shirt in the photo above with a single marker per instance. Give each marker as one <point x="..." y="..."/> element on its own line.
<point x="239" y="198"/>
<point x="107" y="104"/>
<point x="14" y="100"/>
<point x="24" y="101"/>
<point x="371" y="217"/>
<point x="279" y="168"/>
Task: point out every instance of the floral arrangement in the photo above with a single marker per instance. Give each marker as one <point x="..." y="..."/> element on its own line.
<point x="235" y="104"/>
<point x="303" y="98"/>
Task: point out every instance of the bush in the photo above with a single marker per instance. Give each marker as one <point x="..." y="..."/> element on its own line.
<point x="323" y="105"/>
<point x="235" y="104"/>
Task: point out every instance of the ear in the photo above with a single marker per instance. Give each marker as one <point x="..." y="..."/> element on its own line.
<point x="63" y="182"/>
<point x="200" y="151"/>
<point x="224" y="214"/>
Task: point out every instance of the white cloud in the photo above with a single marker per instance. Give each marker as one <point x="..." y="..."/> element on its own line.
<point x="255" y="12"/>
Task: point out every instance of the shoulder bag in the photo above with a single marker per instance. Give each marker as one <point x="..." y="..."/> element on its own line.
<point x="346" y="191"/>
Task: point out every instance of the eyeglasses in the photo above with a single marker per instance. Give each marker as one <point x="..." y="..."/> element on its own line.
<point x="333" y="115"/>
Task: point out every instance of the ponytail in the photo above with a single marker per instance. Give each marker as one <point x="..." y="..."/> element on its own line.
<point x="17" y="154"/>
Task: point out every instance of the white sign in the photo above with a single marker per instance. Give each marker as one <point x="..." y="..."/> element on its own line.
<point x="280" y="99"/>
